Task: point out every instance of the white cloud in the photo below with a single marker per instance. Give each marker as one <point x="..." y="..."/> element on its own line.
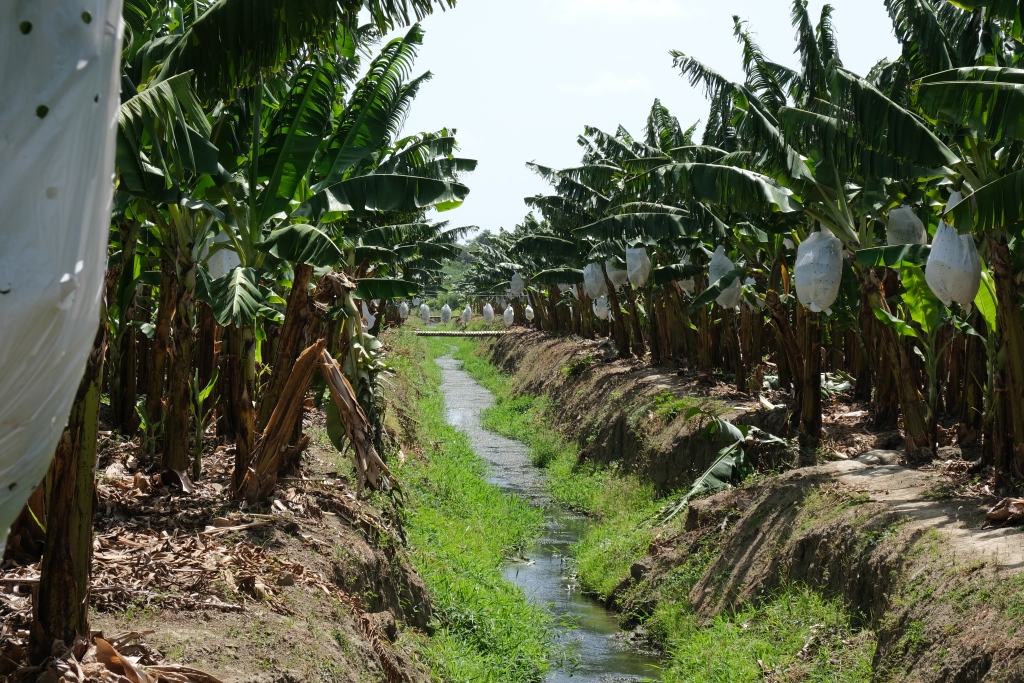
<point x="609" y="84"/>
<point x="618" y="10"/>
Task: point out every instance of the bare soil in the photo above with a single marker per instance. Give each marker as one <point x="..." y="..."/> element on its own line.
<point x="313" y="587"/>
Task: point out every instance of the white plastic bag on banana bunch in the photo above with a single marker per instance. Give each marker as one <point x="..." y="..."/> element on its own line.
<point x="529" y="312"/>
<point x="601" y="308"/>
<point x="953" y="270"/>
<point x="688" y="284"/>
<point x="517" y="285"/>
<point x="618" y="276"/>
<point x="59" y="74"/>
<point x="509" y="316"/>
<point x="467" y="313"/>
<point x="593" y="281"/>
<point x="818" y="271"/>
<point x="368" y="318"/>
<point x="403" y="310"/>
<point x="223" y="261"/>
<point x="425" y="313"/>
<point x="719" y="267"/>
<point x="488" y="313"/>
<point x="446" y="314"/>
<point x="416" y="302"/>
<point x="905" y="227"/>
<point x="638" y="266"/>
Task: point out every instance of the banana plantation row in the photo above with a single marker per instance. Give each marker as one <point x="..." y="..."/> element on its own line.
<point x="824" y="223"/>
<point x="262" y="188"/>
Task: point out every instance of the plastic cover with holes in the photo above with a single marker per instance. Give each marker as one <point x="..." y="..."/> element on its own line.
<point x="953" y="270"/>
<point x="446" y="314"/>
<point x="719" y="267"/>
<point x="601" y="308"/>
<point x="688" y="284"/>
<point x="509" y="315"/>
<point x="488" y="313"/>
<point x="638" y="266"/>
<point x="60" y="76"/>
<point x="618" y="276"/>
<point x="425" y="313"/>
<point x="369" y="319"/>
<point x="905" y="227"/>
<point x="517" y="285"/>
<point x="467" y="314"/>
<point x="529" y="312"/>
<point x="818" y="271"/>
<point x="593" y="281"/>
<point x="403" y="310"/>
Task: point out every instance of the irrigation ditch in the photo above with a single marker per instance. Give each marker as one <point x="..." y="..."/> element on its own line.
<point x="854" y="569"/>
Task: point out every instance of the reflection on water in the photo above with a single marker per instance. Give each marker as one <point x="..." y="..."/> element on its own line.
<point x="597" y="654"/>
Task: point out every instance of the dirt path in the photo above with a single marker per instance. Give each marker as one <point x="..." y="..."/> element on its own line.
<point x="919" y="495"/>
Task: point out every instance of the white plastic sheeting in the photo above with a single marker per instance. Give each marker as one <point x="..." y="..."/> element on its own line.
<point x="953" y="270"/>
<point x="638" y="266"/>
<point x="446" y="314"/>
<point x="601" y="307"/>
<point x="368" y="318"/>
<point x="59" y="74"/>
<point x="403" y="310"/>
<point x="488" y="313"/>
<point x="517" y="285"/>
<point x="618" y="276"/>
<point x="508" y="316"/>
<point x="467" y="314"/>
<point x="425" y="313"/>
<point x="688" y="284"/>
<point x="593" y="281"/>
<point x="224" y="260"/>
<point x="529" y="312"/>
<point x="905" y="227"/>
<point x="818" y="271"/>
<point x="719" y="267"/>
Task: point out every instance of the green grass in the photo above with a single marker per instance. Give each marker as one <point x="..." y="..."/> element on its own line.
<point x="797" y="635"/>
<point x="461" y="529"/>
<point x="620" y="503"/>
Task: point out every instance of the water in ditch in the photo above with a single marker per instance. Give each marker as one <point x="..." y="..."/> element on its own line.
<point x="597" y="654"/>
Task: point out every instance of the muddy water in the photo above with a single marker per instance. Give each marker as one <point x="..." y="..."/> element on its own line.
<point x="596" y="653"/>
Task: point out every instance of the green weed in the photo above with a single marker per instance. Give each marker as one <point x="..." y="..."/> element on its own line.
<point x="797" y="635"/>
<point x="461" y="529"/>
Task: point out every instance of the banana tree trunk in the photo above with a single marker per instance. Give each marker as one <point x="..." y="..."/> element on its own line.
<point x="618" y="324"/>
<point x="790" y="346"/>
<point x="241" y="362"/>
<point x="639" y="348"/>
<point x="896" y="359"/>
<point x="177" y="451"/>
<point x="653" y="327"/>
<point x="158" y="364"/>
<point x="123" y="358"/>
<point x="810" y="394"/>
<point x="62" y="609"/>
<point x="1011" y="354"/>
<point x="297" y="316"/>
<point x="972" y="411"/>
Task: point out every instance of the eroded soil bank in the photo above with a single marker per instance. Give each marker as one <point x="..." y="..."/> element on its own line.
<point x="926" y="593"/>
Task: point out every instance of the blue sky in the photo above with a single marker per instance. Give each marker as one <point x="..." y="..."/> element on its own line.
<point x="519" y="80"/>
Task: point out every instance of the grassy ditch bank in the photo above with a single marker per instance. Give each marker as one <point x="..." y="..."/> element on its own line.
<point x="460" y="530"/>
<point x="844" y="571"/>
<point x="795" y="631"/>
